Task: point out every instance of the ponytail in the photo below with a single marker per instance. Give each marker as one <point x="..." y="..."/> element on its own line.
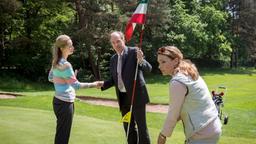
<point x="60" y="42"/>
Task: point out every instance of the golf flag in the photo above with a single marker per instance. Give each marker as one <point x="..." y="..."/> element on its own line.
<point x="127" y="117"/>
<point x="138" y="17"/>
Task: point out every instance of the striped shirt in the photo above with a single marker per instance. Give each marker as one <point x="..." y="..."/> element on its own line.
<point x="64" y="80"/>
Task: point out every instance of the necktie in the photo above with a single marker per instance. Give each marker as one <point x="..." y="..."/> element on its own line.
<point x="119" y="74"/>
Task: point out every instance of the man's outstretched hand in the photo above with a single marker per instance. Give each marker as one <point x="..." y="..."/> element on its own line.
<point x="99" y="84"/>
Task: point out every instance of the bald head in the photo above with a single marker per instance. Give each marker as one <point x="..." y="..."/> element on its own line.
<point x="117" y="41"/>
<point x="117" y="34"/>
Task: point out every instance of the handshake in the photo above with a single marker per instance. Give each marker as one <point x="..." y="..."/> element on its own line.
<point x="95" y="84"/>
<point x="98" y="84"/>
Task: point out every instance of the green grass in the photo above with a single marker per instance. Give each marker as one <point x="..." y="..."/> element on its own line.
<point x="30" y="126"/>
<point x="31" y="115"/>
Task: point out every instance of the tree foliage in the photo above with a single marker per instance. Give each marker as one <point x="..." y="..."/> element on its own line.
<point x="30" y="33"/>
<point x="207" y="31"/>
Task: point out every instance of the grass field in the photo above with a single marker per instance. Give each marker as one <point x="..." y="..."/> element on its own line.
<point x="29" y="119"/>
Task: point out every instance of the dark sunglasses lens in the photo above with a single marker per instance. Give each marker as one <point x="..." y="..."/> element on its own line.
<point x="161" y="50"/>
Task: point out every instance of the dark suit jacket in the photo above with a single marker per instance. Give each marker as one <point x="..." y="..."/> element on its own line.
<point x="129" y="62"/>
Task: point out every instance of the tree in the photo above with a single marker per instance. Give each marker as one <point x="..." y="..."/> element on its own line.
<point x="31" y="29"/>
<point x="95" y="20"/>
<point x="244" y="30"/>
<point x="8" y="10"/>
<point x="247" y="28"/>
<point x="198" y="28"/>
<point x="218" y="44"/>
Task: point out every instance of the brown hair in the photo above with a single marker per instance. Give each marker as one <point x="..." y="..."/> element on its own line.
<point x="61" y="42"/>
<point x="184" y="66"/>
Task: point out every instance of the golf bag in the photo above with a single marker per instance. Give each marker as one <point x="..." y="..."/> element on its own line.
<point x="217" y="97"/>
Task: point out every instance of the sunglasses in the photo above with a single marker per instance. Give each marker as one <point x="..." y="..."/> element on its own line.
<point x="166" y="52"/>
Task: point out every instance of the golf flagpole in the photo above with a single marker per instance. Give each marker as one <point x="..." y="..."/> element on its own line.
<point x="134" y="84"/>
<point x="138" y="17"/>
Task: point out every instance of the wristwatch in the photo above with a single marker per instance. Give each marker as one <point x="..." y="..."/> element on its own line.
<point x="162" y="136"/>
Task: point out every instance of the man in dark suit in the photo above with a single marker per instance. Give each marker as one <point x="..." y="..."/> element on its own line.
<point x="122" y="73"/>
